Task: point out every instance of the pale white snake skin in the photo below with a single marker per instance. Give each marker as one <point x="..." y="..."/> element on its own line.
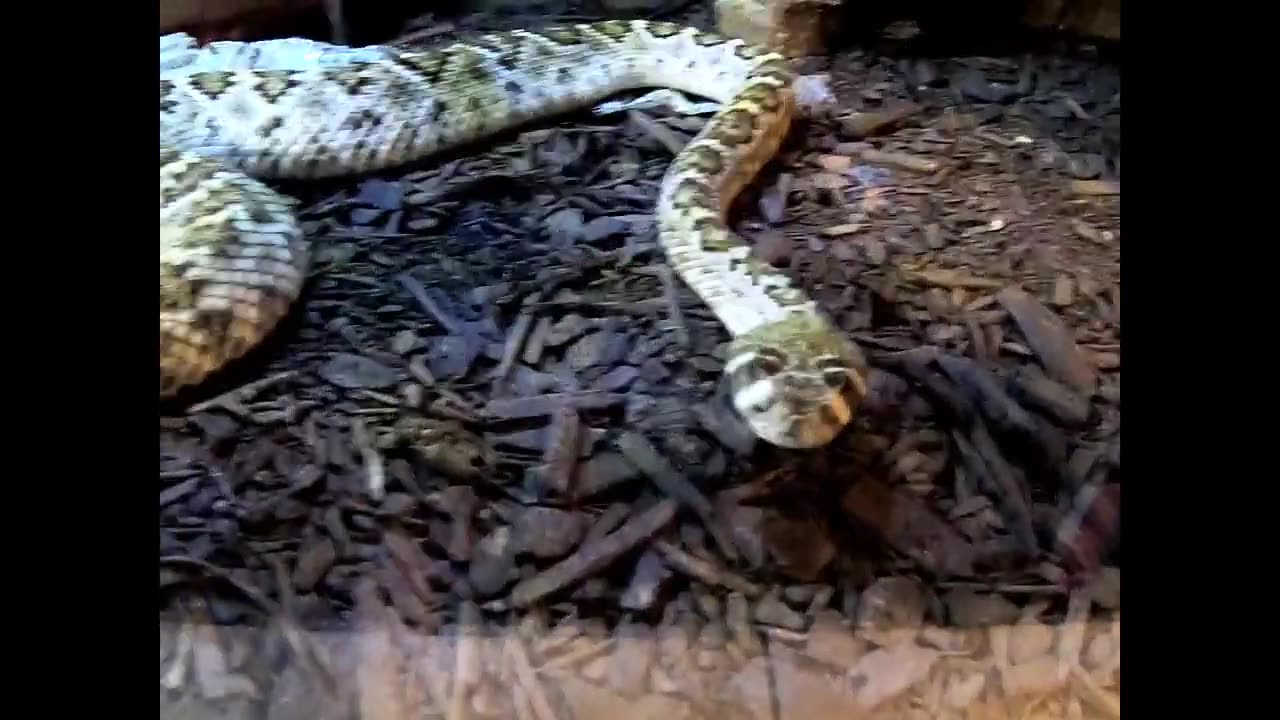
<point x="233" y="258"/>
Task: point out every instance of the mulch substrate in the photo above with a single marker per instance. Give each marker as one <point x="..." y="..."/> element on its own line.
<point x="487" y="468"/>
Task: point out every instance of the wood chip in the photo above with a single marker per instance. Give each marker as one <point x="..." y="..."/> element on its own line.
<point x="1063" y="291"/>
<point x="705" y="570"/>
<point x="665" y="136"/>
<point x="542" y="405"/>
<point x="1091" y="233"/>
<point x="645" y="457"/>
<point x="594" y="557"/>
<point x="1095" y="187"/>
<point x="560" y="458"/>
<point x="312" y="564"/>
<point x="835" y="163"/>
<point x="913" y="163"/>
<point x="952" y="279"/>
<point x="1050" y="339"/>
<point x="860" y="125"/>
<point x="1033" y="388"/>
<point x="841" y="230"/>
<point x="467" y="661"/>
<point x="888" y="672"/>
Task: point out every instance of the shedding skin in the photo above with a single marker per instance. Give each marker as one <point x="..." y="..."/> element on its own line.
<point x="233" y="256"/>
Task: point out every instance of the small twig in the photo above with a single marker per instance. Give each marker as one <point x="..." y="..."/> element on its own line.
<point x="915" y="364"/>
<point x="639" y="307"/>
<point x="985" y="391"/>
<point x="1074" y="106"/>
<point x="560" y="458"/>
<point x="636" y="449"/>
<point x="577" y="655"/>
<point x="977" y="339"/>
<point x="950" y="279"/>
<point x="376" y="396"/>
<point x="673" y="305"/>
<point x="433" y="309"/>
<point x="752" y="489"/>
<point x="412" y="564"/>
<point x="515" y="341"/>
<point x="663" y="134"/>
<point x="984" y="463"/>
<point x="914" y="163"/>
<point x="1002" y="588"/>
<point x="374" y="467"/>
<point x="705" y="571"/>
<point x="592" y="558"/>
<point x="606" y="522"/>
<point x="266" y="604"/>
<point x="542" y="405"/>
<point x="1095" y="188"/>
<point x="233" y="400"/>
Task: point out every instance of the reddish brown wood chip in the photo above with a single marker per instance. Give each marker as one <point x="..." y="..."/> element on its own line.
<point x="1051" y="341"/>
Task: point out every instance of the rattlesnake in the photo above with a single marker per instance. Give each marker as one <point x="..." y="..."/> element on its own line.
<point x="233" y="258"/>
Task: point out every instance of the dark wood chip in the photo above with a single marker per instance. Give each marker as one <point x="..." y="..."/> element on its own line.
<point x="548" y="532"/>
<point x="527" y="407"/>
<point x="771" y="610"/>
<point x="591" y="558"/>
<point x="354" y="371"/>
<point x="858" y="126"/>
<point x="903" y="522"/>
<point x="646" y="583"/>
<point x="313" y="562"/>
<point x="970" y="609"/>
<point x="675" y="485"/>
<point x="493" y="564"/>
<point x="1051" y="341"/>
<point x="412" y="563"/>
<point x="1037" y="390"/>
<point x="800" y="547"/>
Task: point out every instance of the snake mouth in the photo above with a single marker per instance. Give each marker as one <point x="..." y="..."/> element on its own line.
<point x="797" y="432"/>
<point x="790" y="419"/>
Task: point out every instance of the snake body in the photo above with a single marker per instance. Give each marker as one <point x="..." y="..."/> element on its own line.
<point x="233" y="258"/>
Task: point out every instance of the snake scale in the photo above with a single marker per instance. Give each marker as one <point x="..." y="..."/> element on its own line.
<point x="233" y="257"/>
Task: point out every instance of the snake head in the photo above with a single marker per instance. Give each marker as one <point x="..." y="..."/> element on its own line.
<point x="796" y="382"/>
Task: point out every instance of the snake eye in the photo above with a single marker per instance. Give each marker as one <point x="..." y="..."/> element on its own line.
<point x="834" y="371"/>
<point x="770" y="361"/>
<point x="835" y="378"/>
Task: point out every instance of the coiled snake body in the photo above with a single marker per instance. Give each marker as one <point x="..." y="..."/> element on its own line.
<point x="233" y="258"/>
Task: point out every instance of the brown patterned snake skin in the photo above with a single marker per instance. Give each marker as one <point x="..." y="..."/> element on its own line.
<point x="233" y="258"/>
